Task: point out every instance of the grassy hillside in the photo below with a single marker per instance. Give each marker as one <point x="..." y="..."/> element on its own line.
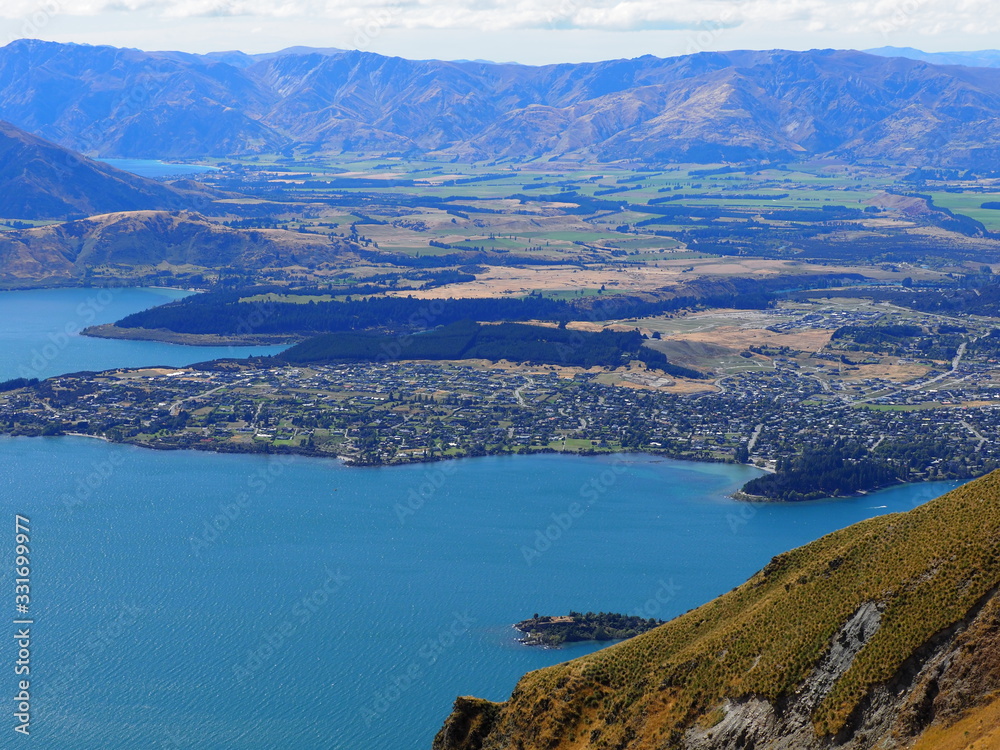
<point x="980" y="730"/>
<point x="926" y="571"/>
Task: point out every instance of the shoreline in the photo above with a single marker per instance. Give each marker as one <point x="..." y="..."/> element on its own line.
<point x="354" y="462"/>
<point x="744" y="497"/>
<point x="73" y="283"/>
<point x="84" y="435"/>
<point x="163" y="336"/>
<point x="351" y="462"/>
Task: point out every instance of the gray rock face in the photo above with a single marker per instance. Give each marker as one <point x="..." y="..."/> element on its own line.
<point x="755" y="723"/>
<point x="939" y="681"/>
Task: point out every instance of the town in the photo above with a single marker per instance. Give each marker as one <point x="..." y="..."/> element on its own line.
<point x="942" y="427"/>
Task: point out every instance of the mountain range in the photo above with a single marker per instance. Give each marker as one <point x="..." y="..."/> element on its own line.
<point x="706" y="107"/>
<point x="39" y="180"/>
<point x="882" y="635"/>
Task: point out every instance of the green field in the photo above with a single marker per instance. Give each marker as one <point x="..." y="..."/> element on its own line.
<point x="970" y="204"/>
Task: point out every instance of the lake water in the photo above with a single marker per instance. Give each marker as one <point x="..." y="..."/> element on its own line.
<point x="154" y="168"/>
<point x="315" y="614"/>
<point x="39" y="333"/>
<point x="196" y="600"/>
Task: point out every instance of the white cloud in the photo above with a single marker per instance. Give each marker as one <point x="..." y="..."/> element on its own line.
<point x="924" y="17"/>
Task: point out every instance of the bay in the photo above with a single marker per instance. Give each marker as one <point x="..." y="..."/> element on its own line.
<point x="197" y="600"/>
<point x="154" y="168"/>
<point x="39" y="333"/>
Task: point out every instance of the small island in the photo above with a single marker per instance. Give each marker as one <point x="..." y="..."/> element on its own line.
<point x="552" y="632"/>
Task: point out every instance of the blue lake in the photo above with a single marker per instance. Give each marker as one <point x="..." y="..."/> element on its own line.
<point x="154" y="168"/>
<point x="39" y="333"/>
<point x="195" y="600"/>
<point x="220" y="601"/>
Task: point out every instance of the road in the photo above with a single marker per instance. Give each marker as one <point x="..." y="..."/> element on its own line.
<point x="175" y="407"/>
<point x="955" y="363"/>
<point x="976" y="434"/>
<point x="517" y="393"/>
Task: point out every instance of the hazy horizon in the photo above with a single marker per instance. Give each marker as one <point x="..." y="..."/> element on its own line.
<point x="537" y="33"/>
<point x="883" y="51"/>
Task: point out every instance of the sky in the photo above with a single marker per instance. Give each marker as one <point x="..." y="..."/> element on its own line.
<point x="526" y="31"/>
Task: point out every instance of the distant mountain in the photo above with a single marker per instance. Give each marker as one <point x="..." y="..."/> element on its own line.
<point x="705" y="107"/>
<point x="123" y="102"/>
<point x="882" y="635"/>
<point x="243" y="60"/>
<point x="989" y="58"/>
<point x="39" y="180"/>
<point x="137" y="243"/>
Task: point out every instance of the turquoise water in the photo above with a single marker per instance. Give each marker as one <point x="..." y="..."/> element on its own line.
<point x="39" y="333"/>
<point x="204" y="601"/>
<point x="332" y="607"/>
<point x="154" y="168"/>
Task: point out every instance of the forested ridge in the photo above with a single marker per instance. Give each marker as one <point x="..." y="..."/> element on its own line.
<point x="229" y="312"/>
<point x="224" y="313"/>
<point x="515" y="342"/>
<point x="827" y="471"/>
<point x="973" y="295"/>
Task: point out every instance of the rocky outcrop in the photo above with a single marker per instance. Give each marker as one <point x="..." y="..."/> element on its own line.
<point x="958" y="670"/>
<point x="470" y="723"/>
<point x="758" y="723"/>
